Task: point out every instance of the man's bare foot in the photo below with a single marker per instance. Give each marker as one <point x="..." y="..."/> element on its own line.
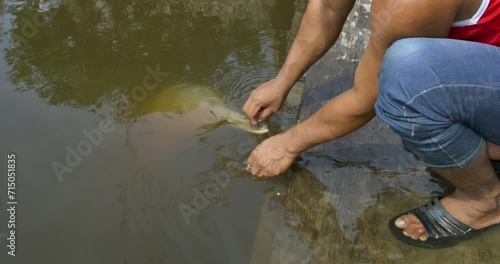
<point x="476" y="213"/>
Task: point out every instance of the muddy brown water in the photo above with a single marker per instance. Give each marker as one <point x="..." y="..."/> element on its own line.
<point x="75" y="77"/>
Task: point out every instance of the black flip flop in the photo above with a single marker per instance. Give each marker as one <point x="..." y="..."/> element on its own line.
<point x="443" y="230"/>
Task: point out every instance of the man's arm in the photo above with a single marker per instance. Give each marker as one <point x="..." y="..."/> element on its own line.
<point x="354" y="108"/>
<point x="319" y="29"/>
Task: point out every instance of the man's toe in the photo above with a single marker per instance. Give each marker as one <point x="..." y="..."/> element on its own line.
<point x="406" y="221"/>
<point x="400" y="223"/>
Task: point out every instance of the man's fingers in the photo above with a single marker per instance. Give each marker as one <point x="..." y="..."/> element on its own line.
<point x="251" y="110"/>
<point x="254" y="114"/>
<point x="255" y="167"/>
<point x="265" y="113"/>
<point x="246" y="107"/>
<point x="261" y="171"/>
<point x="251" y="163"/>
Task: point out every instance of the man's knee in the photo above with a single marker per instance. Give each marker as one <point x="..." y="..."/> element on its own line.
<point x="399" y="80"/>
<point x="404" y="61"/>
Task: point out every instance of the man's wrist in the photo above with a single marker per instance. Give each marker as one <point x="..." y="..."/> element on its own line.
<point x="295" y="143"/>
<point x="285" y="80"/>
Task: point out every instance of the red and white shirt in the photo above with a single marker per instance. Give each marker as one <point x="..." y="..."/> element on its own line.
<point x="483" y="27"/>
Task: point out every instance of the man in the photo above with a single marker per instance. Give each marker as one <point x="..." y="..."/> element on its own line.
<point x="442" y="96"/>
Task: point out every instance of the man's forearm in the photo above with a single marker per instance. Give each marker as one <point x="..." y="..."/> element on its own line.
<point x="335" y="119"/>
<point x="348" y="111"/>
<point x="319" y="29"/>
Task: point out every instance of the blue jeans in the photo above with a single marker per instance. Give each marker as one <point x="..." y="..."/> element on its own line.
<point x="442" y="97"/>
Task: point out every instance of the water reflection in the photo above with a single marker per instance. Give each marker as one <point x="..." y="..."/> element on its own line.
<point x="87" y="54"/>
<point x="114" y="58"/>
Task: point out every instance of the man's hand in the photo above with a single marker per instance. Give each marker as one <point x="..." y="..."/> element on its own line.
<point x="271" y="157"/>
<point x="318" y="31"/>
<point x="265" y="100"/>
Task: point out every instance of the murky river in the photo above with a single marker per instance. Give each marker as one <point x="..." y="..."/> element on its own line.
<point x="103" y="177"/>
<point x="77" y="77"/>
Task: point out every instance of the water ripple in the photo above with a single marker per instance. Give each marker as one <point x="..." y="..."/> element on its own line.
<point x="246" y="68"/>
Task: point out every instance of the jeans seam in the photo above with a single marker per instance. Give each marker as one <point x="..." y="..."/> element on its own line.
<point x="447" y="154"/>
<point x="412" y="99"/>
<point x="434" y="88"/>
<point x="467" y="160"/>
<point x="447" y="86"/>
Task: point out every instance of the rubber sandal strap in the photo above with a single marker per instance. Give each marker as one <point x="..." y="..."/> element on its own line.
<point x="438" y="222"/>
